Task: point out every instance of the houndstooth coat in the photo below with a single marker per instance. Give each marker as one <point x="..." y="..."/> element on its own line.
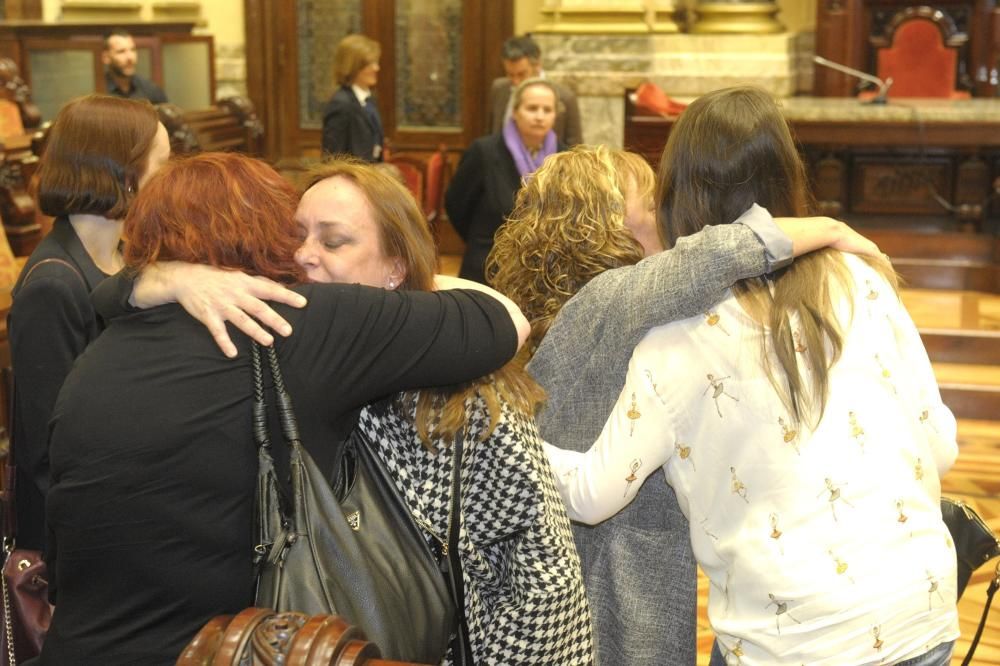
<point x="524" y="596"/>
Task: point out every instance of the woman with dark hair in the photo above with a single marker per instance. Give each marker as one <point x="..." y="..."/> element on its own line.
<point x="481" y="193"/>
<point x="100" y="152"/>
<point x="351" y="121"/>
<point x="153" y="463"/>
<point x="798" y="421"/>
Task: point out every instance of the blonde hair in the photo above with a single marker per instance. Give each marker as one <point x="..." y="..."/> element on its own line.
<point x="353" y="54"/>
<point x="729" y="149"/>
<point x="567" y="226"/>
<point x="404" y="233"/>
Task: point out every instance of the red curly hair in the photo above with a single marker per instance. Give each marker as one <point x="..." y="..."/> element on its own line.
<point x="222" y="209"/>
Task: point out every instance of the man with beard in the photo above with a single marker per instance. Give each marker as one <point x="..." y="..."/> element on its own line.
<point x="120" y="57"/>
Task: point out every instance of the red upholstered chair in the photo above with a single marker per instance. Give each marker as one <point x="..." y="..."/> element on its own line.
<point x="434" y="184"/>
<point x="424" y="177"/>
<point x="922" y="55"/>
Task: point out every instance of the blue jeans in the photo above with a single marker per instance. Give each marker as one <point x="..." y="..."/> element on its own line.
<point x="939" y="656"/>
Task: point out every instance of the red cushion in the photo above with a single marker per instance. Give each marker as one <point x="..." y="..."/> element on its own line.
<point x="435" y="178"/>
<point x="651" y="97"/>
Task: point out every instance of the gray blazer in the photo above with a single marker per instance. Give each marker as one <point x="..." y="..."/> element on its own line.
<point x="638" y="567"/>
<point x="567" y="126"/>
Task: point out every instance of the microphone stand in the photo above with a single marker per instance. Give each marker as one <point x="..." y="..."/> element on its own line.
<point x="883" y="86"/>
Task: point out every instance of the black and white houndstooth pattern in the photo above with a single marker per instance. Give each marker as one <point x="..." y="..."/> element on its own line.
<point x="524" y="596"/>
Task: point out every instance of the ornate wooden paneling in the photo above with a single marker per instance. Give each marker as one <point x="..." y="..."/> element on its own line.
<point x="914" y="173"/>
<point x="438" y="60"/>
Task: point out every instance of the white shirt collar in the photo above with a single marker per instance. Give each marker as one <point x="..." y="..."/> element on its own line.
<point x="361" y="93"/>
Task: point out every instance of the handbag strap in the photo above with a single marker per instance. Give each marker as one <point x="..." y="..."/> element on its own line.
<point x="461" y="648"/>
<point x="990" y="592"/>
<point x="8" y="529"/>
<point x="8" y="620"/>
<point x="286" y="415"/>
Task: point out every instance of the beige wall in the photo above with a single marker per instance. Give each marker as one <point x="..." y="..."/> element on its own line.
<point x="221" y="18"/>
<point x="796" y="15"/>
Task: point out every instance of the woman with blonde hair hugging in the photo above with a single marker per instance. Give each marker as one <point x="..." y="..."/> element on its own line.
<point x="584" y="212"/>
<point x="798" y="421"/>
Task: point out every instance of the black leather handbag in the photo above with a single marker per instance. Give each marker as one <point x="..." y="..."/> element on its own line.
<point x="362" y="557"/>
<point x="975" y="545"/>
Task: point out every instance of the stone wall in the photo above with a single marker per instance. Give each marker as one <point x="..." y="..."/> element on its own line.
<point x="601" y="67"/>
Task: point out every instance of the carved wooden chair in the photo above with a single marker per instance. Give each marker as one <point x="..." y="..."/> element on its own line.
<point x="260" y="636"/>
<point x="231" y="124"/>
<point x="425" y="178"/>
<point x="22" y="137"/>
<point x="921" y="50"/>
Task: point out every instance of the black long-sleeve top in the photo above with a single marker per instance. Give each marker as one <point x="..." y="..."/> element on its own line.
<point x="154" y="466"/>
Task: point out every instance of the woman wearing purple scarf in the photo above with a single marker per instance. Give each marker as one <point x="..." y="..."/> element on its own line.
<point x="481" y="193"/>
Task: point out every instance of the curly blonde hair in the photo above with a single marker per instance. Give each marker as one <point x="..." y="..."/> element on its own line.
<point x="567" y="226"/>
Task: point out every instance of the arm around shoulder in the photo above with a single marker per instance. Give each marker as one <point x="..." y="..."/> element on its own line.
<point x="380" y="342"/>
<point x="521" y="324"/>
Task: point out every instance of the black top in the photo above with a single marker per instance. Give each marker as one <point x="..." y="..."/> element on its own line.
<point x="480" y="196"/>
<point x="141" y="89"/>
<point x="51" y="322"/>
<point x="349" y="128"/>
<point x="154" y="466"/>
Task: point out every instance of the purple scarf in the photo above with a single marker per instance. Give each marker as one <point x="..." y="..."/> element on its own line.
<point x="525" y="163"/>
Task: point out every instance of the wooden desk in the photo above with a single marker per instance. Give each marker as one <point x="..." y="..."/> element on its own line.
<point x="924" y="163"/>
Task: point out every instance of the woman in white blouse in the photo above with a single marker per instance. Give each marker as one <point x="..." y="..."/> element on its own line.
<point x="799" y="423"/>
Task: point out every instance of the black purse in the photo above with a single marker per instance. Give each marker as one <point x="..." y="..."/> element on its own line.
<point x="975" y="545"/>
<point x="362" y="557"/>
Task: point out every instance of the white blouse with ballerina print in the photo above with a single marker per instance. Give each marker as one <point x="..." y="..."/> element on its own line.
<point x="822" y="546"/>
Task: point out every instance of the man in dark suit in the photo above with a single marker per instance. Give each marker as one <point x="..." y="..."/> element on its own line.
<point x="522" y="59"/>
<point x="120" y="79"/>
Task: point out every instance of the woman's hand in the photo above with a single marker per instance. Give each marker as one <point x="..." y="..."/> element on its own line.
<point x="813" y="233"/>
<point x="214" y="296"/>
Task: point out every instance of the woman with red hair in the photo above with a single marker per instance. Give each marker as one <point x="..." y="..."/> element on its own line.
<point x="153" y="463"/>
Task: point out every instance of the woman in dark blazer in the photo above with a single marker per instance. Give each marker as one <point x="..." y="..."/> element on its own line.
<point x="100" y="151"/>
<point x="481" y="193"/>
<point x="351" y="122"/>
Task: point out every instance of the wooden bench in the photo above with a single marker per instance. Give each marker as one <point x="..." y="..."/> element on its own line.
<point x="231" y="124"/>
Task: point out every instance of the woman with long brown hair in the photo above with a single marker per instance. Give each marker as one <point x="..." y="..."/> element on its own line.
<point x="576" y="219"/>
<point x="798" y="421"/>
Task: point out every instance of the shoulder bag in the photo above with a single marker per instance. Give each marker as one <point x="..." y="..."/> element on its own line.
<point x="360" y="556"/>
<point x="975" y="545"/>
